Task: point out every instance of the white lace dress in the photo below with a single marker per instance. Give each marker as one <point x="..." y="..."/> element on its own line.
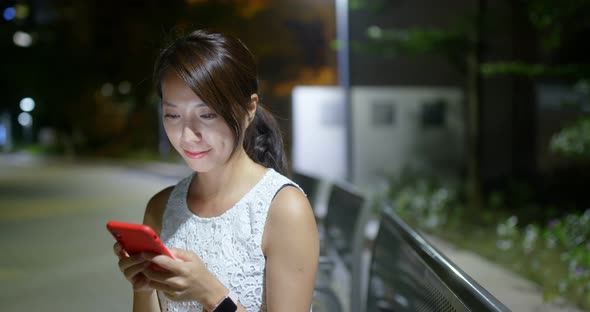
<point x="230" y="245"/>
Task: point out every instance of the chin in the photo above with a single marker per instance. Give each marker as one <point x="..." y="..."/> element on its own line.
<point x="201" y="165"/>
<point x="198" y="167"/>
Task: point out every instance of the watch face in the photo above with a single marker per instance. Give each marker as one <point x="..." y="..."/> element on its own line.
<point x="227" y="305"/>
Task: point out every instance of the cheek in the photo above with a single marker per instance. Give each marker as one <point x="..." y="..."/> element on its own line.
<point x="224" y="137"/>
<point x="172" y="133"/>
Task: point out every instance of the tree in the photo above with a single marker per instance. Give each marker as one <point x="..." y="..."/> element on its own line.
<point x="461" y="43"/>
<point x="557" y="26"/>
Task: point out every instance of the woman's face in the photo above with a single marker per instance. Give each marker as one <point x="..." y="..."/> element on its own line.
<point x="196" y="131"/>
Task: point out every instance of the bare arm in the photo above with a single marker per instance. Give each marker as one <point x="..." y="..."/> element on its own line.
<point x="178" y="283"/>
<point x="148" y="300"/>
<point x="291" y="247"/>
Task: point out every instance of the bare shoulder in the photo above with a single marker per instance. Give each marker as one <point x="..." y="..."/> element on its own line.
<point x="289" y="203"/>
<point x="155" y="209"/>
<point x="290" y="211"/>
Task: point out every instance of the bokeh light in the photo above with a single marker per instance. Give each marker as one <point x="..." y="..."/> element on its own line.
<point x="22" y="39"/>
<point x="374" y="32"/>
<point x="25" y="119"/>
<point x="107" y="89"/>
<point x="3" y="136"/>
<point x="9" y="13"/>
<point x="124" y="87"/>
<point x="21" y="11"/>
<point x="27" y="104"/>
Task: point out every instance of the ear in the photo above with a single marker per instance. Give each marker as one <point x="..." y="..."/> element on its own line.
<point x="252" y="107"/>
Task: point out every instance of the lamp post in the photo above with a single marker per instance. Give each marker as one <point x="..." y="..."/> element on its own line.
<point x="342" y="34"/>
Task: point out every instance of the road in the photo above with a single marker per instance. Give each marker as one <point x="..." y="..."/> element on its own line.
<point x="56" y="252"/>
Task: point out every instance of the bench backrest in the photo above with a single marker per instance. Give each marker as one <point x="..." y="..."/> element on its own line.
<point x="308" y="183"/>
<point x="345" y="205"/>
<point x="408" y="274"/>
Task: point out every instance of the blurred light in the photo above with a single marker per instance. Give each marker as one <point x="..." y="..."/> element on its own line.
<point x="25" y="119"/>
<point x="47" y="136"/>
<point x="27" y="104"/>
<point x="22" y="39"/>
<point x="124" y="87"/>
<point x="374" y="32"/>
<point x="3" y="136"/>
<point x="22" y="11"/>
<point x="107" y="89"/>
<point x="9" y="13"/>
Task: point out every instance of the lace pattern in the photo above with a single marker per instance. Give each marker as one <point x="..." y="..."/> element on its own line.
<point x="230" y="245"/>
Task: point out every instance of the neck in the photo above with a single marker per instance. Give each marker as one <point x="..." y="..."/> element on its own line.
<point x="225" y="179"/>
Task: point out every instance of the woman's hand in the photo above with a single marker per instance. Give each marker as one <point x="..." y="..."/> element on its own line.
<point x="187" y="278"/>
<point x="133" y="267"/>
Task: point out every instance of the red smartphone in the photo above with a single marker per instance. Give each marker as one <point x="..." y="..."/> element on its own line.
<point x="137" y="238"/>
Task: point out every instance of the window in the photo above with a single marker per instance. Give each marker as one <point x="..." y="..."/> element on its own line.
<point x="383" y="113"/>
<point x="434" y="113"/>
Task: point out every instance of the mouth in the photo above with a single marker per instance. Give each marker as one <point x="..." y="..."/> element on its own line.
<point x="196" y="155"/>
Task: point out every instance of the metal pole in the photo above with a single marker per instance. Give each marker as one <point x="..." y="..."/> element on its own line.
<point x="28" y="129"/>
<point x="342" y="34"/>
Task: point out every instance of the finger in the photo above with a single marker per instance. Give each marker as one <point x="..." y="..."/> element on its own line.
<point x="119" y="251"/>
<point x="181" y="254"/>
<point x="165" y="262"/>
<point x="159" y="276"/>
<point x="163" y="287"/>
<point x="127" y="262"/>
<point x="133" y="271"/>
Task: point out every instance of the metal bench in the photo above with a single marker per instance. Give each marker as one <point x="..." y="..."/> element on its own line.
<point x="317" y="191"/>
<point x="308" y="183"/>
<point x="345" y="206"/>
<point x="407" y="274"/>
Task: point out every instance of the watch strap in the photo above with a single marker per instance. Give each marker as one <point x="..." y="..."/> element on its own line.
<point x="227" y="304"/>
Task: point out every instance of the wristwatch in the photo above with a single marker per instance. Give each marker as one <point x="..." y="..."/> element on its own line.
<point x="228" y="304"/>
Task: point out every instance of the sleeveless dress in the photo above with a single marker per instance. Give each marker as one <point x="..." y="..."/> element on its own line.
<point x="230" y="244"/>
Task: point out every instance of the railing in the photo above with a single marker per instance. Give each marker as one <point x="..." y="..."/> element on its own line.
<point x="376" y="262"/>
<point x="409" y="274"/>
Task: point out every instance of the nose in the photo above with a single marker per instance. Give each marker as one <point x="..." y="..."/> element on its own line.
<point x="190" y="133"/>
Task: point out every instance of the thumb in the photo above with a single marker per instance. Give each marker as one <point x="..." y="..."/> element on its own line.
<point x="181" y="254"/>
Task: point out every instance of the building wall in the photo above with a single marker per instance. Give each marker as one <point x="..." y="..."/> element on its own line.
<point x="507" y="128"/>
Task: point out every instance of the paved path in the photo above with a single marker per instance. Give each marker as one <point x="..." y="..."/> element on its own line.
<point x="56" y="252"/>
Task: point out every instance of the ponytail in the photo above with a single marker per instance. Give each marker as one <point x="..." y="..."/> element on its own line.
<point x="263" y="141"/>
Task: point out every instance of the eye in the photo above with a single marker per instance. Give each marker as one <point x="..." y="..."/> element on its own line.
<point x="171" y="116"/>
<point x="209" y="116"/>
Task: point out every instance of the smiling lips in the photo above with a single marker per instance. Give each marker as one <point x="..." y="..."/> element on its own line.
<point x="195" y="155"/>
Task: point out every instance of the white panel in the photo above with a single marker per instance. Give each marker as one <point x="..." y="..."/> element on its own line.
<point x="380" y="150"/>
<point x="319" y="142"/>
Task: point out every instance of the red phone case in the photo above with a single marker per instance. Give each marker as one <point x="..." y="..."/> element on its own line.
<point x="137" y="238"/>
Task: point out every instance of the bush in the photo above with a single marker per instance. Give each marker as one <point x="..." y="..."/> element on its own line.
<point x="555" y="255"/>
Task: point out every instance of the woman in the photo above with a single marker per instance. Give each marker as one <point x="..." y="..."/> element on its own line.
<point x="243" y="235"/>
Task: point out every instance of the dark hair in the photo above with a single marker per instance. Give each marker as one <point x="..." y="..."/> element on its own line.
<point x="222" y="72"/>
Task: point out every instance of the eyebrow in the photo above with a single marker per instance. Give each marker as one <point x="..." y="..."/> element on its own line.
<point x="166" y="103"/>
